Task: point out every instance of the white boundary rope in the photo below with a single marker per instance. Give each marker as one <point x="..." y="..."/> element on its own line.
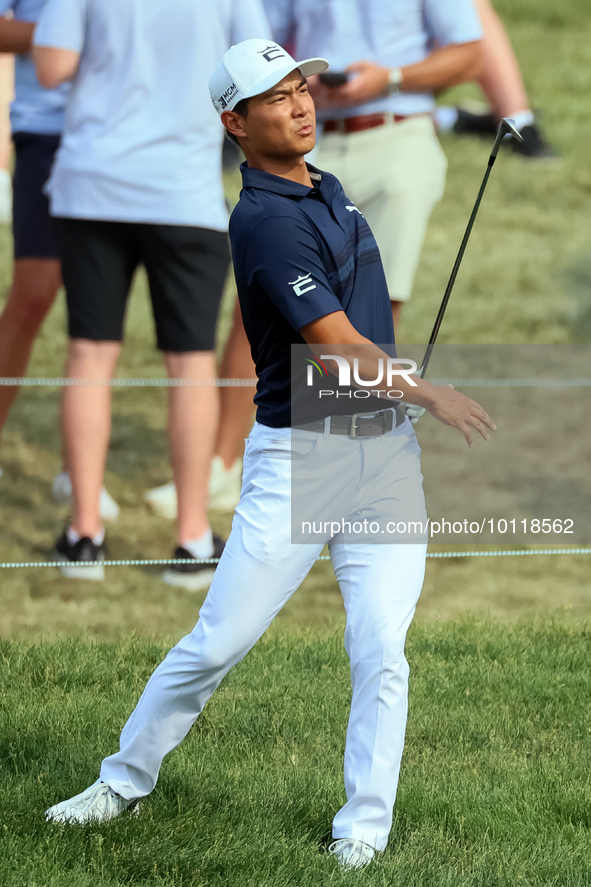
<point x="58" y="382"/>
<point x="515" y="383"/>
<point x="247" y="383"/>
<point x="128" y="383"/>
<point x="168" y="561"/>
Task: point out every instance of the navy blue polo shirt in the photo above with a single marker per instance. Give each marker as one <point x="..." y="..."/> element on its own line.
<point x="301" y="253"/>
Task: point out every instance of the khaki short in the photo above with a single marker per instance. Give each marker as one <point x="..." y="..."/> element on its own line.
<point x="395" y="174"/>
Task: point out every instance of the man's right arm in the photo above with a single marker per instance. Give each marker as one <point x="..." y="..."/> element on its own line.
<point x="15" y="35"/>
<point x="443" y="402"/>
<point x="282" y="252"/>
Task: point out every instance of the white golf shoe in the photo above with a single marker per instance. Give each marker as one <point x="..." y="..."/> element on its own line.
<point x="62" y="493"/>
<point x="224" y="490"/>
<point x="5" y="197"/>
<point x="162" y="500"/>
<point x="224" y="484"/>
<point x="98" y="803"/>
<point x="351" y="853"/>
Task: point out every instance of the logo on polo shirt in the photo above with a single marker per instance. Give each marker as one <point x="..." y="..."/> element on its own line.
<point x="227" y="96"/>
<point x="303" y="284"/>
<point x="272" y="52"/>
<point x="354" y="209"/>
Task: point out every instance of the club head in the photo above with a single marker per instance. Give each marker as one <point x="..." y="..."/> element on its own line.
<point x="507" y="126"/>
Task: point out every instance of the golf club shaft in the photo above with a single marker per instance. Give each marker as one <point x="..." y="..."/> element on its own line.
<point x="454" y="273"/>
<point x="506" y="127"/>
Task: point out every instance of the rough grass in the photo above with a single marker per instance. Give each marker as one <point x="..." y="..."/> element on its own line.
<point x="494" y="787"/>
<point x="526" y="278"/>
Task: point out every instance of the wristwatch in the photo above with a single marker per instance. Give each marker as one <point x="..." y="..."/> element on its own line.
<point x="394" y="81"/>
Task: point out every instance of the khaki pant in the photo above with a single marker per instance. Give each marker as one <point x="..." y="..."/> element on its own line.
<point x="395" y="174"/>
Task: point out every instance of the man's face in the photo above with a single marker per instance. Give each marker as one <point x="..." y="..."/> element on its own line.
<point x="280" y="123"/>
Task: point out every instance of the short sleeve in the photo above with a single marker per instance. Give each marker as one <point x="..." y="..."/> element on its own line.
<point x="281" y="19"/>
<point x="61" y="25"/>
<point x="283" y="257"/>
<point x="452" y="21"/>
<point x="249" y="20"/>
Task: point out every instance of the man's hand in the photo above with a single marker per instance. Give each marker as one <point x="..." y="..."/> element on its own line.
<point x="370" y="81"/>
<point x="461" y="412"/>
<point x="444" y="67"/>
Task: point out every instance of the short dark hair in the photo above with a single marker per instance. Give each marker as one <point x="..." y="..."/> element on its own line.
<point x="242" y="109"/>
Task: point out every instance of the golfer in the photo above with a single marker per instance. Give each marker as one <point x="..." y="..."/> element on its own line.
<point x="308" y="271"/>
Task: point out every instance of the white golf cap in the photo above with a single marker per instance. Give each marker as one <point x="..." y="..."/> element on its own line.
<point x="251" y="68"/>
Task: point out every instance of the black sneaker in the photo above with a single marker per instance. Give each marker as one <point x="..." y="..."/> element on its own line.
<point x="474" y="124"/>
<point x="73" y="557"/>
<point x="534" y="146"/>
<point x="192" y="575"/>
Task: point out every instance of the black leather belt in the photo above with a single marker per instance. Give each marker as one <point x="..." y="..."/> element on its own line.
<point x="358" y="425"/>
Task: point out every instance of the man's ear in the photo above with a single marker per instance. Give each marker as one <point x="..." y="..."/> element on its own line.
<point x="234" y="123"/>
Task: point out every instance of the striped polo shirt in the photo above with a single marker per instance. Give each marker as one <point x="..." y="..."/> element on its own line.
<point x="299" y="254"/>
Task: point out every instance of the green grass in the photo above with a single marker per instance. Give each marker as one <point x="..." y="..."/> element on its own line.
<point x="494" y="788"/>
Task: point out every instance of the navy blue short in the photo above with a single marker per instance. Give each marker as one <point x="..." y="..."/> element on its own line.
<point x="32" y="226"/>
<point x="186" y="268"/>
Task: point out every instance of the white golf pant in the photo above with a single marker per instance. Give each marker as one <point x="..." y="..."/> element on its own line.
<point x="258" y="572"/>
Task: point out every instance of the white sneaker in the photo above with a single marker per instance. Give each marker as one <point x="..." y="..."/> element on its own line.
<point x="5" y="197"/>
<point x="224" y="484"/>
<point x="351" y="853"/>
<point x="97" y="804"/>
<point x="62" y="493"/>
<point x="162" y="500"/>
<point x="224" y="490"/>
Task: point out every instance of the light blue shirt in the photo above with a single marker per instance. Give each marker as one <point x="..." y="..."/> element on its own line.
<point x="142" y="141"/>
<point x="390" y="32"/>
<point x="34" y="109"/>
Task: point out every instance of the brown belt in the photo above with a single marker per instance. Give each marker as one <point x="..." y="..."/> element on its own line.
<point x="364" y="121"/>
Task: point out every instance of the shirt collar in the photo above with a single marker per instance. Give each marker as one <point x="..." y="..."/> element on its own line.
<point x="265" y="181"/>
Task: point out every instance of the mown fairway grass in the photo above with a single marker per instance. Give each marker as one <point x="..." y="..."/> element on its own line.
<point x="494" y="789"/>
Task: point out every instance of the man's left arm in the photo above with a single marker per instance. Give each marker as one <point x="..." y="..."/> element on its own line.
<point x="58" y="41"/>
<point x="455" y="27"/>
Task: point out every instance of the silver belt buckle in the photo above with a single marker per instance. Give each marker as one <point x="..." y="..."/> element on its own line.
<point x="354" y="426"/>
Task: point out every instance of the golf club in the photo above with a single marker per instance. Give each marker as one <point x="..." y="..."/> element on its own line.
<point x="506" y="127"/>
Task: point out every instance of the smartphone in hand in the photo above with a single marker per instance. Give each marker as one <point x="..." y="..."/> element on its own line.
<point x="332" y="79"/>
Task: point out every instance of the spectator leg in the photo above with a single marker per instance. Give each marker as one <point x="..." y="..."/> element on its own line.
<point x="34" y="286"/>
<point x="87" y="427"/>
<point x="500" y="77"/>
<point x="236" y="404"/>
<point x="192" y="421"/>
<point x="396" y="313"/>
